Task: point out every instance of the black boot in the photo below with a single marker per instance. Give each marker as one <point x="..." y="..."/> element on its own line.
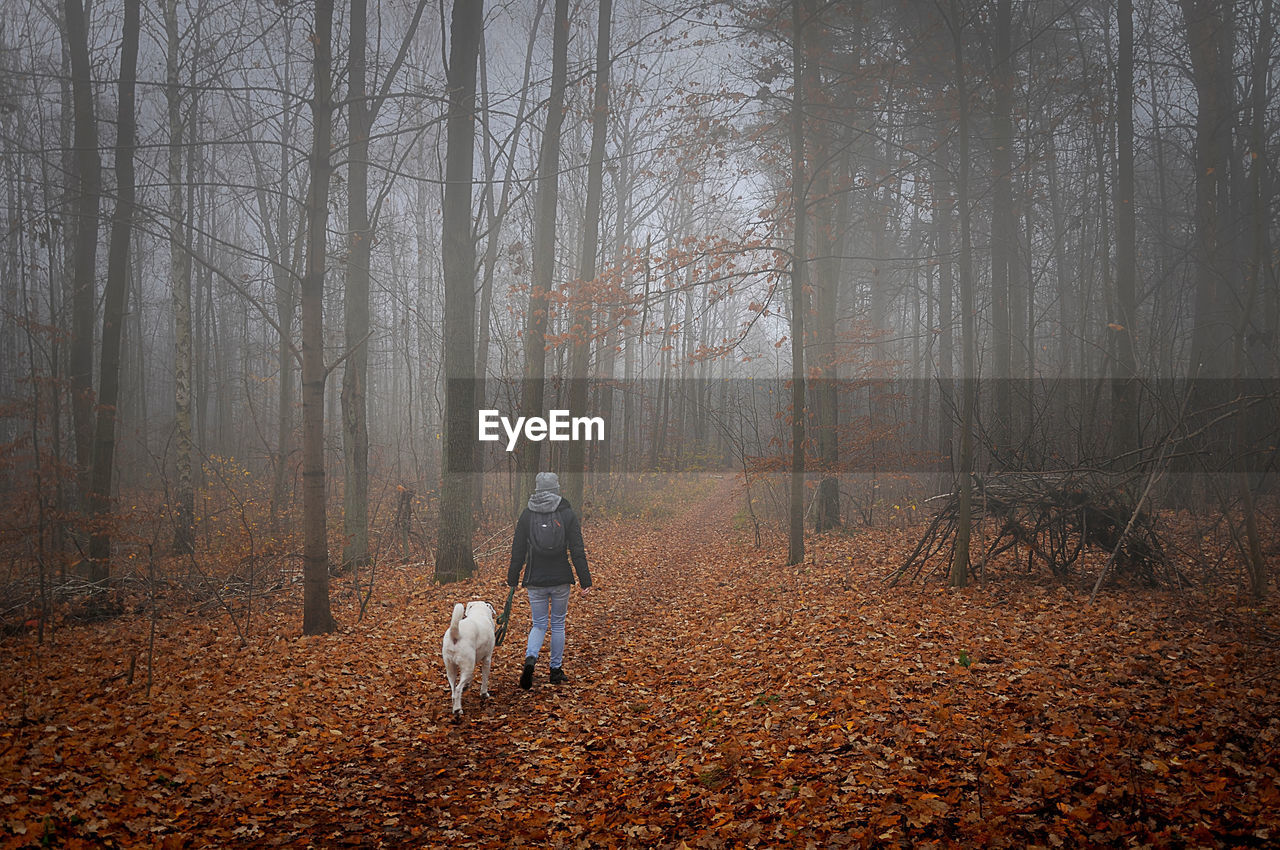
<point x="557" y="676"/>
<point x="526" y="675"/>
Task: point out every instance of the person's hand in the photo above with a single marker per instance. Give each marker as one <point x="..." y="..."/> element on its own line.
<point x="586" y="591"/>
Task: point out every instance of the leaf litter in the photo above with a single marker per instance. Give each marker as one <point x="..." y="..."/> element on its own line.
<point x="718" y="698"/>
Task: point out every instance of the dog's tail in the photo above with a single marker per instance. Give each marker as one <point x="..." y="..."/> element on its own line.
<point x="458" y="613"/>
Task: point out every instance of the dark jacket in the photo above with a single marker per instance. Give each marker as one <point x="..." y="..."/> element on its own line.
<point x="549" y="571"/>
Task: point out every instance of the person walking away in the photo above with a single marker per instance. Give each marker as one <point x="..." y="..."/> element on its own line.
<point x="547" y="535"/>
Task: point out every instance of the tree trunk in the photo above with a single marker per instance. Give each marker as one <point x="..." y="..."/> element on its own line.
<point x="1253" y="328"/>
<point x="316" y="615"/>
<point x="1003" y="240"/>
<point x="184" y="498"/>
<point x="544" y="251"/>
<point x="959" y="576"/>
<point x="943" y="220"/>
<point x="1061" y="261"/>
<point x="618" y="315"/>
<point x="580" y="359"/>
<point x="355" y="303"/>
<point x="493" y="220"/>
<point x="115" y="297"/>
<point x="1261" y="285"/>
<point x="430" y="305"/>
<point x="454" y="558"/>
<point x="195" y="235"/>
<point x="828" y="237"/>
<point x="1207" y="30"/>
<point x="1124" y="390"/>
<point x="283" y="274"/>
<point x="799" y="199"/>
<point x="286" y="305"/>
<point x="86" y="188"/>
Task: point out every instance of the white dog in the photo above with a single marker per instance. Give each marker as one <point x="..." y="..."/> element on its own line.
<point x="468" y="642"/>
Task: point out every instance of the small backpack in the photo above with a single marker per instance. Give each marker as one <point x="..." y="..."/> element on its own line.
<point x="546" y="533"/>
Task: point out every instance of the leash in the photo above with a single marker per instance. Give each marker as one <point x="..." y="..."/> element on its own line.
<point x="503" y="619"/>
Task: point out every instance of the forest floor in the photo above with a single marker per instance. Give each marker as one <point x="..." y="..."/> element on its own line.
<point x="718" y="699"/>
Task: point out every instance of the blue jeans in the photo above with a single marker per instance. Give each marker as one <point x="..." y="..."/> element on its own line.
<point x="544" y="601"/>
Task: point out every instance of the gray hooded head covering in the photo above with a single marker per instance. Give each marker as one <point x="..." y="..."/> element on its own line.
<point x="546" y="495"/>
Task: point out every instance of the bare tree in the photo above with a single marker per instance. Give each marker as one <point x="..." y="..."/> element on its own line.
<point x="1251" y="328"/>
<point x="86" y="189"/>
<point x="114" y="297"/>
<point x="363" y="108"/>
<point x="1124" y="400"/>
<point x="355" y="305"/>
<point x="1003" y="235"/>
<point x="943" y="224"/>
<point x="316" y="615"/>
<point x="454" y="558"/>
<point x="830" y="225"/>
<point x="583" y="314"/>
<point x="180" y="281"/>
<point x="1208" y="25"/>
<point x="799" y="260"/>
<point x="544" y="247"/>
<point x="959" y="575"/>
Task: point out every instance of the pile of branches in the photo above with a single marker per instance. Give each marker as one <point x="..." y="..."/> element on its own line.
<point x="1052" y="516"/>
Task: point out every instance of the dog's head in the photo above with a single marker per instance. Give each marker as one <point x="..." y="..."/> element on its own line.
<point x="475" y="608"/>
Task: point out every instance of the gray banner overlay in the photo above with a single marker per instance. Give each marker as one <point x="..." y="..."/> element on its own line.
<point x="877" y="426"/>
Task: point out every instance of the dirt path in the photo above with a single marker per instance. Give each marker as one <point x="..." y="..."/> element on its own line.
<point x="591" y="758"/>
<point x="588" y="761"/>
